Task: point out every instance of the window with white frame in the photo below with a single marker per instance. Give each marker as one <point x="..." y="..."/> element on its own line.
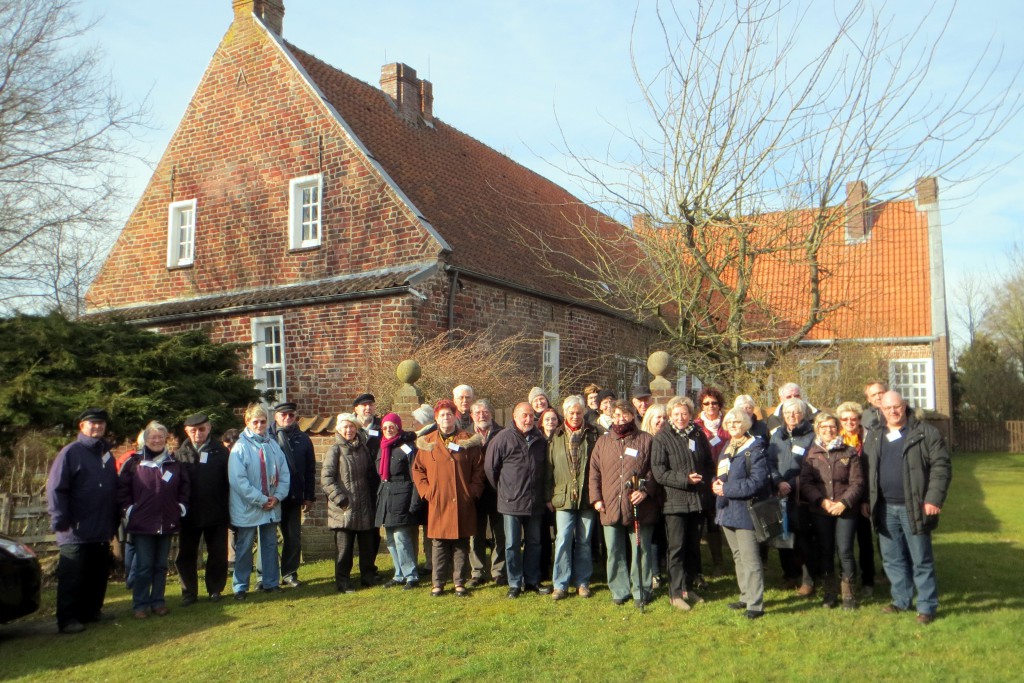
<point x="304" y="211"/>
<point x="268" y="354"/>
<point x="549" y="365"/>
<point x="181" y="233"/>
<point x="684" y="380"/>
<point x="914" y="379"/>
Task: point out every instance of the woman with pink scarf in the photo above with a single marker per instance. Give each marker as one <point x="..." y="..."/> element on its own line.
<point x="398" y="502"/>
<point x="710" y="401"/>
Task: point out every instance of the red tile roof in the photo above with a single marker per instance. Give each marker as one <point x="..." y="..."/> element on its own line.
<point x="480" y="201"/>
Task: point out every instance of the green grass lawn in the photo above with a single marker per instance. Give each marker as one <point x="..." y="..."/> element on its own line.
<point x="312" y="633"/>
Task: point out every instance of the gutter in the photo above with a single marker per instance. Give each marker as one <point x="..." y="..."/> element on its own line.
<point x="862" y="340"/>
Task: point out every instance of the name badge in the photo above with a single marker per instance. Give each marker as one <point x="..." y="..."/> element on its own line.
<point x="406" y="449"/>
<point x="723" y="467"/>
<point x="799" y="450"/>
<point x="203" y="457"/>
<point x="373" y="432"/>
<point x="693" y="445"/>
<point x="106" y="457"/>
<point x="715" y="440"/>
<point x="892" y="436"/>
<point x="454" y="447"/>
<point x="632" y="452"/>
<point x="167" y="476"/>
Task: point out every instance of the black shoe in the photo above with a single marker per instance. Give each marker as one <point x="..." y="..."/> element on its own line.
<point x="539" y="589"/>
<point x="501" y="581"/>
<point x="215" y="597"/>
<point x="393" y="583"/>
<point x="274" y="589"/>
<point x="737" y="605"/>
<point x="240" y="595"/>
<point x="345" y="588"/>
<point x="476" y="582"/>
<point x="461" y="592"/>
<point x="620" y="601"/>
<point x="751" y="614"/>
<point x="411" y="585"/>
<point x="514" y="592"/>
<point x="187" y="600"/>
<point x="291" y="581"/>
<point x="72" y="627"/>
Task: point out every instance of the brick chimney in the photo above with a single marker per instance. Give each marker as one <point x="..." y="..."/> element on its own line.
<point x="413" y="97"/>
<point x="270" y="11"/>
<point x="858" y="219"/>
<point x="927" y="190"/>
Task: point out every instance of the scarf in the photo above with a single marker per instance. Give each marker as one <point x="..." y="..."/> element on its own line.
<point x="852" y="439"/>
<point x="624" y="430"/>
<point x="834" y="444"/>
<point x="709" y="424"/>
<point x="386" y="444"/>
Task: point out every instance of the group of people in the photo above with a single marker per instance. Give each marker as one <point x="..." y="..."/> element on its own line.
<point x="657" y="478"/>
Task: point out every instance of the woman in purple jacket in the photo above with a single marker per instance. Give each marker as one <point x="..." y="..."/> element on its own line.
<point x="153" y="492"/>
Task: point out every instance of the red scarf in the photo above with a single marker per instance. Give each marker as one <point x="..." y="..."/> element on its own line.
<point x="386" y="444"/>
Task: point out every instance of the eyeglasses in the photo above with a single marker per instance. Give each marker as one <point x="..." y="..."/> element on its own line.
<point x="258" y="422"/>
<point x="710" y="403"/>
<point x="848" y="419"/>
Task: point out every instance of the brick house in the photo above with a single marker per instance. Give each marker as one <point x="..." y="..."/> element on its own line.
<point x="314" y="215"/>
<point x="886" y="279"/>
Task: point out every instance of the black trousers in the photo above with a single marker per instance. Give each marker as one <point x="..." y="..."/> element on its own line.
<point x="865" y="551"/>
<point x="344" y="542"/>
<point x="800" y="563"/>
<point x="291" y="537"/>
<point x="82" y="572"/>
<point x="187" y="562"/>
<point x="682" y="532"/>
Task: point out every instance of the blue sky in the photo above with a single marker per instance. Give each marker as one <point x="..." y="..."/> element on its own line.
<point x="520" y="75"/>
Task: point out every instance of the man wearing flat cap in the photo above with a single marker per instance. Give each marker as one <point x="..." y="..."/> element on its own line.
<point x="298" y="452"/>
<point x="81" y="497"/>
<point x="640" y="396"/>
<point x="206" y="462"/>
<point x="365" y="409"/>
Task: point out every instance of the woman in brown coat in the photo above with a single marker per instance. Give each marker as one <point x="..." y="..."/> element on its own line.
<point x="621" y="480"/>
<point x="349" y="479"/>
<point x="832" y="484"/>
<point x="449" y="475"/>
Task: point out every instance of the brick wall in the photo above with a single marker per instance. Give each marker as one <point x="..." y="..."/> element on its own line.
<point x="253" y="125"/>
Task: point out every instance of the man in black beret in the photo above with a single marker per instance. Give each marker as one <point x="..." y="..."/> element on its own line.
<point x="81" y="497"/>
<point x="206" y="462"/>
<point x="298" y="451"/>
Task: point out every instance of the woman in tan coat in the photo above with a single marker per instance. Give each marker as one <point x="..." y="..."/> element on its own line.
<point x="449" y="475"/>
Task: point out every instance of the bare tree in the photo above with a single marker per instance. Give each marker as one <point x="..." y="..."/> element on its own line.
<point x="734" y="182"/>
<point x="63" y="127"/>
<point x="1004" y="320"/>
<point x="971" y="306"/>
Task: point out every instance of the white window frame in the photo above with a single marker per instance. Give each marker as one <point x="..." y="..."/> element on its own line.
<point x="296" y="187"/>
<point x="550" y="359"/>
<point x="181" y="249"/>
<point x="811" y="370"/>
<point x="911" y="391"/>
<point x="261" y="369"/>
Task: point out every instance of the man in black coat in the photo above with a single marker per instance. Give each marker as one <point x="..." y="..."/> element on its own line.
<point x="206" y="462"/>
<point x="365" y="408"/>
<point x="298" y="452"/>
<point x="81" y="497"/>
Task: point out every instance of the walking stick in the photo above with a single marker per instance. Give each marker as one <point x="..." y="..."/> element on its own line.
<point x="637" y="484"/>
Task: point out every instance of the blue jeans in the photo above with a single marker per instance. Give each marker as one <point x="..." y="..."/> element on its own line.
<point x="616" y="538"/>
<point x="522" y="565"/>
<point x="150" y="570"/>
<point x="908" y="562"/>
<point x="244" y="536"/>
<point x="402" y="547"/>
<point x="574" y="562"/>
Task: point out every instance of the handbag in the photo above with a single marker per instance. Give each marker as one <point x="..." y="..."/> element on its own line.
<point x="767" y="515"/>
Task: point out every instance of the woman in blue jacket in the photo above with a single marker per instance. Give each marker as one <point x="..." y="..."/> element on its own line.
<point x="742" y="476"/>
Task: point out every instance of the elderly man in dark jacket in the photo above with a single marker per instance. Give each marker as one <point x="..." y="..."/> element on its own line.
<point x="206" y="462"/>
<point x="516" y="466"/>
<point x="81" y="496"/>
<point x="908" y="471"/>
<point x="298" y="452"/>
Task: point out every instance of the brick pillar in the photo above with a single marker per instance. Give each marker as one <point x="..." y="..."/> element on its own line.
<point x="408" y="397"/>
<point x="661" y="388"/>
